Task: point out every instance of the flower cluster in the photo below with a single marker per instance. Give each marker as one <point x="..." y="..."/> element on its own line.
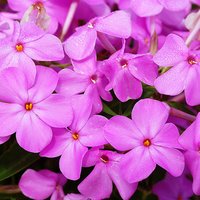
<point x="106" y="93"/>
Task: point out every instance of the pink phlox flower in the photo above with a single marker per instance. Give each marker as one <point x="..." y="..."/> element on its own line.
<point x="184" y="74"/>
<point x="72" y="143"/>
<point x="32" y="111"/>
<point x="42" y="184"/>
<point x="81" y="44"/>
<point x="149" y="138"/>
<point x="99" y="183"/>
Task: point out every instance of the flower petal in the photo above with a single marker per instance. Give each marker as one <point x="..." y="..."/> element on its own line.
<point x="33" y="134"/>
<point x="92" y="134"/>
<point x="173" y="81"/>
<point x="97" y="185"/>
<point x="71" y="83"/>
<point x="137" y="164"/>
<point x="126" y="86"/>
<point x="117" y="24"/>
<point x="71" y="160"/>
<point x="56" y="111"/>
<point x="10" y="117"/>
<point x="45" y="83"/>
<point x="150" y="116"/>
<point x="47" y="48"/>
<point x="170" y="159"/>
<point x="36" y="185"/>
<point x="122" y="133"/>
<point x="81" y="44"/>
<point x="172" y="52"/>
<point x="59" y="142"/>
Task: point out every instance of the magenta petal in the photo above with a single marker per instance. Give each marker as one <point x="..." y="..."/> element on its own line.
<point x="4" y="139"/>
<point x="170" y="159"/>
<point x="33" y="134"/>
<point x="56" y="111"/>
<point x="175" y="5"/>
<point x="146" y="8"/>
<point x="47" y="48"/>
<point x="117" y="24"/>
<point x="172" y="52"/>
<point x="192" y="86"/>
<point x="168" y="136"/>
<point x="36" y="185"/>
<point x="143" y="68"/>
<point x="71" y="160"/>
<point x="137" y="164"/>
<point x="125" y="189"/>
<point x="173" y="81"/>
<point x="92" y="134"/>
<point x="45" y="83"/>
<point x="114" y="129"/>
<point x="71" y="82"/>
<point x="126" y="86"/>
<point x="13" y="86"/>
<point x="98" y="184"/>
<point x="81" y="44"/>
<point x="91" y="157"/>
<point x="59" y="142"/>
<point x="193" y="163"/>
<point x="150" y="116"/>
<point x="10" y="117"/>
<point x="82" y="108"/>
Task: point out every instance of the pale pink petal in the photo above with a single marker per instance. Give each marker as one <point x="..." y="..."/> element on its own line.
<point x="173" y="82"/>
<point x="47" y="48"/>
<point x="33" y="134"/>
<point x="175" y="5"/>
<point x="13" y="86"/>
<point x="82" y="108"/>
<point x="137" y="164"/>
<point x="97" y="185"/>
<point x="170" y="159"/>
<point x="122" y="133"/>
<point x="168" y="136"/>
<point x="150" y="116"/>
<point x="92" y="134"/>
<point x="144" y="8"/>
<point x="192" y="86"/>
<point x="36" y="186"/>
<point x="10" y="117"/>
<point x="56" y="111"/>
<point x="60" y="140"/>
<point x="81" y="44"/>
<point x="143" y="68"/>
<point x="117" y="24"/>
<point x="125" y="189"/>
<point x="126" y="86"/>
<point x="172" y="52"/>
<point x="45" y="83"/>
<point x="71" y="160"/>
<point x="86" y="66"/>
<point x="71" y="82"/>
<point x="17" y="5"/>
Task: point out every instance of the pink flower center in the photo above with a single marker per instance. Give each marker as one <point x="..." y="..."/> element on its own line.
<point x="19" y="47"/>
<point x="147" y="142"/>
<point x="104" y="158"/>
<point x="38" y="5"/>
<point x="75" y="136"/>
<point x="93" y="78"/>
<point x="123" y="63"/>
<point x="28" y="106"/>
<point x="191" y="60"/>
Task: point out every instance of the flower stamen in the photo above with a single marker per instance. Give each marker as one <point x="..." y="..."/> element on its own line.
<point x="19" y="47"/>
<point x="104" y="158"/>
<point x="28" y="106"/>
<point x="147" y="142"/>
<point x="75" y="136"/>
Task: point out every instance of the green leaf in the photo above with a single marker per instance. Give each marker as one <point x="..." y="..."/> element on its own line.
<point x="108" y="110"/>
<point x="14" y="160"/>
